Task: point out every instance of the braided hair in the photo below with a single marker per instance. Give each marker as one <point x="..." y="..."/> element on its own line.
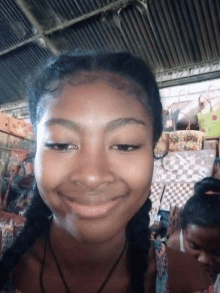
<point x="54" y="75"/>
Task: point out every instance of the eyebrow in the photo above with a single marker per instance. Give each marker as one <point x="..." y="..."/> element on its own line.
<point x="110" y="126"/>
<point x="64" y="122"/>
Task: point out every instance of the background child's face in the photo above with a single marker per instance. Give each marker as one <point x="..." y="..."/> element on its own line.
<point x="93" y="183"/>
<point x="204" y="244"/>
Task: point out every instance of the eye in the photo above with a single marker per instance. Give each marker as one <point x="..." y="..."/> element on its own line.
<point x="126" y="147"/>
<point x="194" y="246"/>
<point x="60" y="146"/>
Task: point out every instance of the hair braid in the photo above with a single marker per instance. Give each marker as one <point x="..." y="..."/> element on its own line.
<point x="139" y="244"/>
<point x="37" y="221"/>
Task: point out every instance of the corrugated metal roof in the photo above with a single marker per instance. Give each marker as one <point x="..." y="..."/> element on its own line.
<point x="170" y="35"/>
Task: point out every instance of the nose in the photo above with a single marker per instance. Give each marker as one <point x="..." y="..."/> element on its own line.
<point x="91" y="170"/>
<point x="206" y="259"/>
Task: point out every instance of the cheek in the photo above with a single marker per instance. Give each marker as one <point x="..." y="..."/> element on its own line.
<point x="138" y="176"/>
<point x="48" y="170"/>
<point x="139" y="173"/>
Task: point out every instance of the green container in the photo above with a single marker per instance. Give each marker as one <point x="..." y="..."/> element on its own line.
<point x="210" y="122"/>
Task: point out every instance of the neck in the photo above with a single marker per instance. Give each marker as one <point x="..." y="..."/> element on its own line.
<point x="75" y="254"/>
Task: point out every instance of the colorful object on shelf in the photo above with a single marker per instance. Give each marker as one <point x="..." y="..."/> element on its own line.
<point x="4" y="122"/>
<point x="19" y="155"/>
<point x="20" y="128"/>
<point x="19" y="143"/>
<point x="3" y="139"/>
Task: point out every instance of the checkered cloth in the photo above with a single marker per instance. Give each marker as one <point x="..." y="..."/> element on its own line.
<point x="155" y="196"/>
<point x="176" y="194"/>
<point x="185" y="166"/>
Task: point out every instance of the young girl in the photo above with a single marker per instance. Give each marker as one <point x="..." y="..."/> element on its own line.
<point x="96" y="118"/>
<point x="199" y="233"/>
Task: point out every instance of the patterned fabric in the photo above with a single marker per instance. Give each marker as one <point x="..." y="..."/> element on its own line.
<point x="8" y="234"/>
<point x="186" y="140"/>
<point x="176" y="194"/>
<point x="155" y="197"/>
<point x="162" y="268"/>
<point x="185" y="166"/>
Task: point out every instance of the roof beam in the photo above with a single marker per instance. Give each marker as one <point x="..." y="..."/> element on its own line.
<point x="196" y="73"/>
<point x="113" y="6"/>
<point x="37" y="26"/>
<point x="43" y="34"/>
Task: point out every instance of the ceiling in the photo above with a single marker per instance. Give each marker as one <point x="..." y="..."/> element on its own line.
<point x="179" y="39"/>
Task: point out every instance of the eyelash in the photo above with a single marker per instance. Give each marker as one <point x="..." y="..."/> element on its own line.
<point x="65" y="147"/>
<point x="60" y="146"/>
<point x="134" y="147"/>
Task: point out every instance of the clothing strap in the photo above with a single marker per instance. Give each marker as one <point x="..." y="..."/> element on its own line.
<point x="182" y="248"/>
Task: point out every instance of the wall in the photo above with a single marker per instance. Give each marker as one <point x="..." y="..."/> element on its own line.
<point x="190" y="92"/>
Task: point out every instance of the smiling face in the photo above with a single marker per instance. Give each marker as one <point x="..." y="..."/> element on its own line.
<point x="94" y="159"/>
<point x="204" y="244"/>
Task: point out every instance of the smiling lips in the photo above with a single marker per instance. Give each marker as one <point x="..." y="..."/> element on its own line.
<point x="92" y="210"/>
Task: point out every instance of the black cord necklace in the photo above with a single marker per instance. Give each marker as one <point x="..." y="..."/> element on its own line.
<point x="61" y="274"/>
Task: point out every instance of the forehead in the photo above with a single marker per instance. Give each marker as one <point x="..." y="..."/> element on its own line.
<point x="204" y="236"/>
<point x="96" y="101"/>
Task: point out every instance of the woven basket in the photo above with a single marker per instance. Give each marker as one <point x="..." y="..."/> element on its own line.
<point x="186" y="140"/>
<point x="163" y="144"/>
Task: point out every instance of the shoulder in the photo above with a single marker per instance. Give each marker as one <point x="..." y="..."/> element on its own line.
<point x="174" y="271"/>
<point x="174" y="241"/>
<point x="185" y="273"/>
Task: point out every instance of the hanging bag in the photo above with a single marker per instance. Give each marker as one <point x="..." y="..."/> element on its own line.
<point x="162" y="145"/>
<point x="170" y="118"/>
<point x="209" y="118"/>
<point x="188" y="112"/>
<point x="185" y="140"/>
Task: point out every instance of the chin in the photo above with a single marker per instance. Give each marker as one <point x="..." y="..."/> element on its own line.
<point x="92" y="232"/>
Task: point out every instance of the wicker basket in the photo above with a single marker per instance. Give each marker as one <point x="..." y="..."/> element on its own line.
<point x="186" y="140"/>
<point x="163" y="144"/>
